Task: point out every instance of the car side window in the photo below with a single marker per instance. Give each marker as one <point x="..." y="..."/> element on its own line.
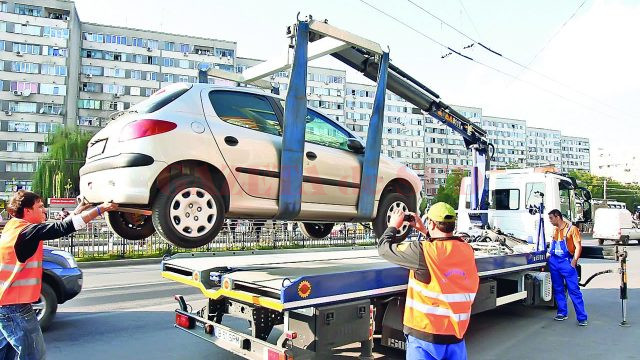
<point x="322" y="131"/>
<point x="247" y="110"/>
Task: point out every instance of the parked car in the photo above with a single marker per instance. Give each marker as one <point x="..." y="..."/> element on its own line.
<point x="616" y="225"/>
<point x="195" y="154"/>
<point x="61" y="282"/>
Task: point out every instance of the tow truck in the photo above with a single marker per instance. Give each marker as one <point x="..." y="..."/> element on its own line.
<point x="302" y="304"/>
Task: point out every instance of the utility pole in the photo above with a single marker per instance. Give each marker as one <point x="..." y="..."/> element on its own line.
<point x="605" y="191"/>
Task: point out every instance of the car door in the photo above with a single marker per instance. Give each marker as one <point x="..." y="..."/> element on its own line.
<point x="246" y="129"/>
<point x="331" y="170"/>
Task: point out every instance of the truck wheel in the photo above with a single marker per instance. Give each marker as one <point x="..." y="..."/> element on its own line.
<point x="625" y="240"/>
<point x="130" y="226"/>
<point x="600" y="242"/>
<point x="316" y="231"/>
<point x="389" y="203"/>
<point x="188" y="212"/>
<point x="46" y="306"/>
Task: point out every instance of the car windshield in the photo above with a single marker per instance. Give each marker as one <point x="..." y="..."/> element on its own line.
<point x="160" y="99"/>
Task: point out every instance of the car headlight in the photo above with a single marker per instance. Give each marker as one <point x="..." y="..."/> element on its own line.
<point x="67" y="256"/>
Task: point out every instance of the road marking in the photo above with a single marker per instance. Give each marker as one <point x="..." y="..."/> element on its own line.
<point x="126" y="286"/>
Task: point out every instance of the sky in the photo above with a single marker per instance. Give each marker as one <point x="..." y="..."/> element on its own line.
<point x="581" y="78"/>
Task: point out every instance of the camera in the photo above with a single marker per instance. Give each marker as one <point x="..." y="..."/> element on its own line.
<point x="409" y="218"/>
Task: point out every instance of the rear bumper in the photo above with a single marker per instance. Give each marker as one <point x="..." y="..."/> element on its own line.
<point x="124" y="179"/>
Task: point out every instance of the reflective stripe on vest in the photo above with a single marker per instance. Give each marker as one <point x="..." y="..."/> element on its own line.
<point x="443" y="305"/>
<point x="20" y="283"/>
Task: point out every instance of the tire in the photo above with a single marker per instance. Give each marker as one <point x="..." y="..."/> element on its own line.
<point x="600" y="242"/>
<point x="130" y="226"/>
<point x="388" y="203"/>
<point x="46" y="307"/>
<point x="625" y="240"/>
<point x="174" y="206"/>
<point x="316" y="231"/>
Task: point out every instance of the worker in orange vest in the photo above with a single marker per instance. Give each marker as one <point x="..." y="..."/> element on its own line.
<point x="21" y="269"/>
<point x="443" y="282"/>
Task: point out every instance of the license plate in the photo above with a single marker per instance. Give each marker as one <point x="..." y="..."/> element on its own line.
<point x="227" y="336"/>
<point x="97" y="148"/>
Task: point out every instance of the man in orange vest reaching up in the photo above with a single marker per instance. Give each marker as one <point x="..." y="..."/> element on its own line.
<point x="443" y="282"/>
<point x="21" y="269"/>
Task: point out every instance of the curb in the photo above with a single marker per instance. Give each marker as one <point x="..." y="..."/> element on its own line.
<point x="113" y="263"/>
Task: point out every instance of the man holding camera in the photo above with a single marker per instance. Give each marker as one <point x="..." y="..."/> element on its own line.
<point x="443" y="281"/>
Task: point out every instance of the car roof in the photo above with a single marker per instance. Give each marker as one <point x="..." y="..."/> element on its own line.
<point x="251" y="90"/>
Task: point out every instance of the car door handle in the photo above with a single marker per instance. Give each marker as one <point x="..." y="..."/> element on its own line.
<point x="230" y="140"/>
<point x="311" y="155"/>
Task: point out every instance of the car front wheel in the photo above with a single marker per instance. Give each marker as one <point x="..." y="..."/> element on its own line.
<point x="388" y="204"/>
<point x="46" y="306"/>
<point x="188" y="212"/>
<point x="316" y="231"/>
<point x="130" y="226"/>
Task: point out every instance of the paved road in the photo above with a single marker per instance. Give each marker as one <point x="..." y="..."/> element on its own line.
<point x="127" y="313"/>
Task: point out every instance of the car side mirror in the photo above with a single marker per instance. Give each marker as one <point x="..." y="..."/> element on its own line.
<point x="355" y="145"/>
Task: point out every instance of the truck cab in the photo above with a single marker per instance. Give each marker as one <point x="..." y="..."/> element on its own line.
<point x="514" y="195"/>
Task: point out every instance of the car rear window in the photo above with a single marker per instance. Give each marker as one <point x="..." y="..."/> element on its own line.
<point x="161" y="98"/>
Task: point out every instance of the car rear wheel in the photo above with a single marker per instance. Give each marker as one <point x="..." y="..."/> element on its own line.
<point x="600" y="242"/>
<point x="388" y="204"/>
<point x="130" y="226"/>
<point x="188" y="212"/>
<point x="46" y="306"/>
<point x="316" y="231"/>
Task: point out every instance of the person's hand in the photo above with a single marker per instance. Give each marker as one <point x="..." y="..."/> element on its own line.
<point x="397" y="218"/>
<point x="81" y="207"/>
<point x="417" y="223"/>
<point x="574" y="263"/>
<point x="108" y="206"/>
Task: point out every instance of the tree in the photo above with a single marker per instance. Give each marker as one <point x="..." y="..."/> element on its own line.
<point x="450" y="191"/>
<point x="627" y="193"/>
<point x="57" y="171"/>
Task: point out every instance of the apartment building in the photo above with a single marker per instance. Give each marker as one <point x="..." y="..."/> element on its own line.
<point x="575" y="153"/>
<point x="122" y="66"/>
<point x="39" y="54"/>
<point x="543" y="147"/>
<point x="509" y="136"/>
<point x="620" y="165"/>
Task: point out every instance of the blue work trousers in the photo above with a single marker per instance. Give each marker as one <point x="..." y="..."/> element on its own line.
<point x="423" y="350"/>
<point x="563" y="273"/>
<point x="20" y="334"/>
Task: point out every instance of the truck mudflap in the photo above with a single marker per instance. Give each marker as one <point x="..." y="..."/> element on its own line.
<point x="229" y="339"/>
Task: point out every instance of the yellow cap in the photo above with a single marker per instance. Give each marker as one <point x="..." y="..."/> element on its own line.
<point x="442" y="212"/>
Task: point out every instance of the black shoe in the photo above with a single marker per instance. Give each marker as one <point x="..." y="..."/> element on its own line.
<point x="560" y="317"/>
<point x="582" y="323"/>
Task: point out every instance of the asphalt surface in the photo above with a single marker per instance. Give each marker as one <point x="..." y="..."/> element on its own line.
<point x="127" y="313"/>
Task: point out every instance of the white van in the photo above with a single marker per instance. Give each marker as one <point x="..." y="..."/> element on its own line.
<point x="616" y="225"/>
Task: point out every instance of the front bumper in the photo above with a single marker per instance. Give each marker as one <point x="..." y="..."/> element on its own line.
<point x="71" y="283"/>
<point x="123" y="179"/>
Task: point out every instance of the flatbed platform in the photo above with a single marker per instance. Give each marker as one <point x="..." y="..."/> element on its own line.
<point x="304" y="278"/>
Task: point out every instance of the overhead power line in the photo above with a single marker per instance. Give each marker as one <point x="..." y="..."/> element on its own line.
<point x="525" y="67"/>
<point x="486" y="65"/>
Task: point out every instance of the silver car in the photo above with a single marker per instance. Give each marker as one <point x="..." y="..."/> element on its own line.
<point x="195" y="154"/>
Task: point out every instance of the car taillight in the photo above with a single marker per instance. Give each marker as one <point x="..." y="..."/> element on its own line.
<point x="184" y="321"/>
<point x="145" y="127"/>
<point x="276" y="355"/>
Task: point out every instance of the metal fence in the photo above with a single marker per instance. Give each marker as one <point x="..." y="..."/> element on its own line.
<point x="97" y="240"/>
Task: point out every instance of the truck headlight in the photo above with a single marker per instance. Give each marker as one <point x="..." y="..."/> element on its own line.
<point x="67" y="256"/>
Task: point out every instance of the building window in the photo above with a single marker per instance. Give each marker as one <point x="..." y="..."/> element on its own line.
<point x="92" y="70"/>
<point x="45" y="128"/>
<point x="19" y="167"/>
<point x="26" y="49"/>
<point x="51" y="109"/>
<point x="23" y="107"/>
<point x="88" y="121"/>
<point x="50" y="69"/>
<point x="24" y="86"/>
<point x="23" y="9"/>
<point x="21" y="146"/>
<point x="89" y="104"/>
<point x="183" y="64"/>
<point x="224" y="52"/>
<point x="134" y="90"/>
<point x="119" y="73"/>
<point x="15" y="185"/>
<point x="23" y="67"/>
<point x="185" y="48"/>
<point x="26" y="29"/>
<point x="151" y="75"/>
<point x="113" y="89"/>
<point x="169" y="46"/>
<point x="21" y="126"/>
<point x="55" y="32"/>
<point x="167" y="78"/>
<point x="136" y="74"/>
<point x="55" y="51"/>
<point x="3" y="6"/>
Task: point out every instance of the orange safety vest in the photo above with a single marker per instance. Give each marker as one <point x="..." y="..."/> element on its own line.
<point x="20" y="283"/>
<point x="442" y="306"/>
